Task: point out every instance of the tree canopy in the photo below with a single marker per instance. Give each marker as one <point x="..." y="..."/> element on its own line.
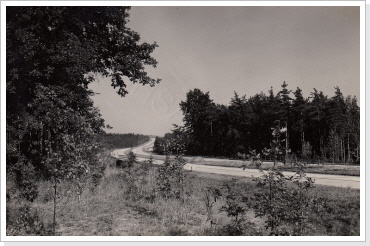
<point x="314" y="128"/>
<point x="51" y="56"/>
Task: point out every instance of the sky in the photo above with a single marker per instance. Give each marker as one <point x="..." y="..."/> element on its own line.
<point x="225" y="49"/>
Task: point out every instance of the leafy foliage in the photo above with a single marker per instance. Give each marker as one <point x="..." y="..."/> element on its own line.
<point x="52" y="53"/>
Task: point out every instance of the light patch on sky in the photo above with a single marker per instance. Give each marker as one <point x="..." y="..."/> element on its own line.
<point x="227" y="49"/>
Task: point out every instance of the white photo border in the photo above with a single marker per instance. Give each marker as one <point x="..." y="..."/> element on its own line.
<point x="360" y="238"/>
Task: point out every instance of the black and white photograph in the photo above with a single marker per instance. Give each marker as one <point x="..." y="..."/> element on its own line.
<point x="195" y="121"/>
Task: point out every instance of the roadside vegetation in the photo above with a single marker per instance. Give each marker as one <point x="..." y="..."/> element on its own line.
<point x="150" y="200"/>
<point x="139" y="198"/>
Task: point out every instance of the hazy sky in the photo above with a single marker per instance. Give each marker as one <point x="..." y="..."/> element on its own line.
<point x="227" y="49"/>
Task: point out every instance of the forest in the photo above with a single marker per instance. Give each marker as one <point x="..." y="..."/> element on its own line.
<point x="120" y="141"/>
<point x="317" y="128"/>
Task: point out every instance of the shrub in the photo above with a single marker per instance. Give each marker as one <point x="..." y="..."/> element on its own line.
<point x="254" y="158"/>
<point x="25" y="179"/>
<point x="23" y="221"/>
<point x="284" y="200"/>
<point x="235" y="206"/>
<point x="300" y="204"/>
<point x="210" y="197"/>
<point x="170" y="178"/>
<point x="129" y="162"/>
<point x="271" y="199"/>
<point x="131" y="158"/>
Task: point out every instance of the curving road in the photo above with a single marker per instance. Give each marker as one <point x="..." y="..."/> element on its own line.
<point x="143" y="152"/>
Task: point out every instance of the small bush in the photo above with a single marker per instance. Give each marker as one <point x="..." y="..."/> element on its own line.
<point x="25" y="178"/>
<point x="24" y="221"/>
<point x="170" y="178"/>
<point x="210" y="197"/>
<point x="284" y="201"/>
<point x="235" y="206"/>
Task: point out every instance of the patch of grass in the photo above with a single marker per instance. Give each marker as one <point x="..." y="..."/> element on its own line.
<point x="347" y="170"/>
<point x="327" y="169"/>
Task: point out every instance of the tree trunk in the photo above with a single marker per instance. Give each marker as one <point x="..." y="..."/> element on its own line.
<point x="348" y="151"/>
<point x="341" y="149"/>
<point x="333" y="157"/>
<point x="270" y="201"/>
<point x="41" y="138"/>
<point x="302" y="140"/>
<point x="48" y="152"/>
<point x="344" y="149"/>
<point x="321" y="147"/>
<point x="286" y="142"/>
<point x="55" y="206"/>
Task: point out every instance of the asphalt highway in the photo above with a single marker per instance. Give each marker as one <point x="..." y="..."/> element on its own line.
<point x="143" y="152"/>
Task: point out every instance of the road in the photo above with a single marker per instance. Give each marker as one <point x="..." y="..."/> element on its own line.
<point x="143" y="153"/>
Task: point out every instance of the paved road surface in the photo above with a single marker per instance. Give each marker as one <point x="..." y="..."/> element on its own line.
<point x="143" y="153"/>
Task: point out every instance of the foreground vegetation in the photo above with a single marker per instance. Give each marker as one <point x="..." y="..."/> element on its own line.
<point x="144" y="199"/>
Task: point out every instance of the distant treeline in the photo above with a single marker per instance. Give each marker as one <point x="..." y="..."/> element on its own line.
<point x="315" y="128"/>
<point x="117" y="141"/>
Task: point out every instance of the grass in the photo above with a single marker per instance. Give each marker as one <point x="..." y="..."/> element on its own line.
<point x="117" y="208"/>
<point x="347" y="170"/>
<point x="328" y="169"/>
